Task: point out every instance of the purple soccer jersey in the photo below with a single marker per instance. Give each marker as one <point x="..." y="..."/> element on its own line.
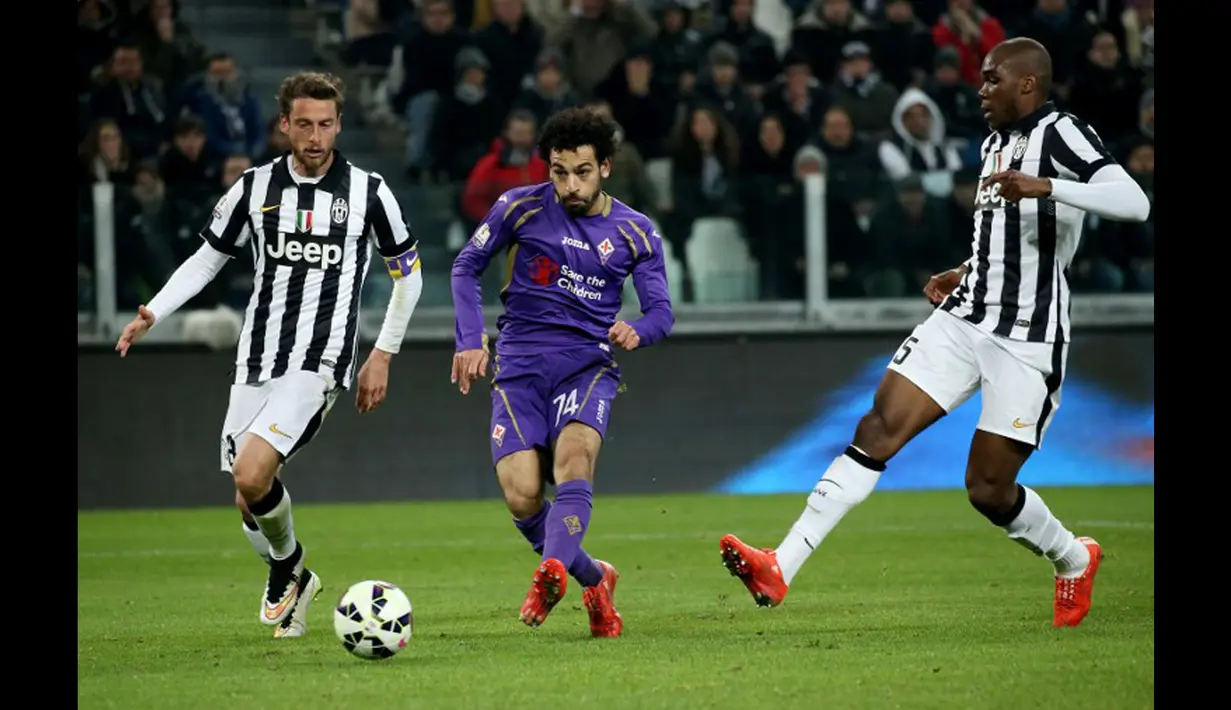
<point x="562" y="295"/>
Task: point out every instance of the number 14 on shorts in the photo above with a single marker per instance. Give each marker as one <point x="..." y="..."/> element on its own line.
<point x="565" y="404"/>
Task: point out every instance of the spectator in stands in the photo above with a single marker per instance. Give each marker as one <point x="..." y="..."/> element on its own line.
<point x="862" y="91"/>
<point x="758" y="58"/>
<point x="95" y="41"/>
<point x="906" y="48"/>
<point x="595" y="40"/>
<point x="228" y="109"/>
<point x="851" y="165"/>
<point x="134" y="101"/>
<point x="1145" y="114"/>
<point x="468" y="118"/>
<point x="972" y="32"/>
<point x="958" y="102"/>
<point x="676" y="50"/>
<point x="187" y="167"/>
<point x="171" y="52"/>
<point x="919" y="144"/>
<point x="429" y="55"/>
<point x="547" y="91"/>
<point x="550" y="14"/>
<point x="233" y="168"/>
<point x="909" y="239"/>
<point x="629" y="182"/>
<point x="645" y="108"/>
<point x="277" y="143"/>
<point x="704" y="171"/>
<point x="513" y="161"/>
<point x="370" y="35"/>
<point x="1138" y="21"/>
<point x="511" y="43"/>
<point x="843" y="237"/>
<point x="1106" y="90"/>
<point x="798" y="99"/>
<point x="1063" y="30"/>
<point x="1114" y="257"/>
<point x="104" y="155"/>
<point x="720" y="86"/>
<point x="827" y="27"/>
<point x="773" y="210"/>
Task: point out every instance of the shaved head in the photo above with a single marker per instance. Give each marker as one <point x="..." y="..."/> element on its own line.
<point x="1027" y="57"/>
<point x="1016" y="80"/>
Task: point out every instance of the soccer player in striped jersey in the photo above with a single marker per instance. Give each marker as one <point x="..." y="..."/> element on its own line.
<point x="311" y="219"/>
<point x="1001" y="327"/>
<point x="570" y="248"/>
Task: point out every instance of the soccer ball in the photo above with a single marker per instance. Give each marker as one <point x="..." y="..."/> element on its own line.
<point x="374" y="620"/>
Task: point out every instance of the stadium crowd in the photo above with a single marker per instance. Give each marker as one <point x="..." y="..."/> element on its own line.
<point x="718" y="122"/>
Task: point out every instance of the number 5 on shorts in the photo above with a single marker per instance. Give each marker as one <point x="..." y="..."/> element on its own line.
<point x="904" y="351"/>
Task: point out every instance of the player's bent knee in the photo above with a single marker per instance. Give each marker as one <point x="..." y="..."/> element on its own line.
<point x="989" y="492"/>
<point x="242" y="505"/>
<point x="255" y="468"/>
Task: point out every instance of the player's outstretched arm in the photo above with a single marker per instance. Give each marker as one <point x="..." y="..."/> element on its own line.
<point x="225" y="234"/>
<point x="650" y="282"/>
<point x="493" y="234"/>
<point x="400" y="252"/>
<point x="1089" y="179"/>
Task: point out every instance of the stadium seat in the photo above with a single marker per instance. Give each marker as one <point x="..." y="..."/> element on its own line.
<point x="658" y="172"/>
<point x="722" y="268"/>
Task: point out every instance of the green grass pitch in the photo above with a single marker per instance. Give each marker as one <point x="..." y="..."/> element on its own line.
<point x="913" y="602"/>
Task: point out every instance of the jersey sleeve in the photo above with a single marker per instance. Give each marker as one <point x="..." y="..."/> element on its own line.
<point x="388" y="229"/>
<point x="494" y="234"/>
<point x="228" y="229"/>
<point x="650" y="282"/>
<point x="1077" y="151"/>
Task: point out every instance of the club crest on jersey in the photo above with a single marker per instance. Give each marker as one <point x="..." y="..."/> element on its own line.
<point x="498" y="434"/>
<point x="303" y="221"/>
<point x="605" y="250"/>
<point x="1019" y="149"/>
<point x="340" y="211"/>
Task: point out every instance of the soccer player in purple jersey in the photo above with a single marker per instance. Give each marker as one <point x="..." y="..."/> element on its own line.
<point x="569" y="247"/>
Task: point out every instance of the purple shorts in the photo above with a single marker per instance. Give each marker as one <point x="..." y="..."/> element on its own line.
<point x="535" y="396"/>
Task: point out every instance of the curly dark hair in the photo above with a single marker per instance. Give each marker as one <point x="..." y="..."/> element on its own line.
<point x="574" y="127"/>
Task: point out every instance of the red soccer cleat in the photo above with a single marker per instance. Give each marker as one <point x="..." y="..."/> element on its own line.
<point x="547" y="589"/>
<point x="1073" y="596"/>
<point x="757" y="569"/>
<point x="605" y="621"/>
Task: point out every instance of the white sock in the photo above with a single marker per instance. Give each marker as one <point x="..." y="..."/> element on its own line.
<point x="1036" y="529"/>
<point x="275" y="521"/>
<point x="845" y="484"/>
<point x="259" y="544"/>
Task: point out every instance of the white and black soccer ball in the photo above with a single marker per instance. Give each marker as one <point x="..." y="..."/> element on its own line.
<point x="374" y="620"/>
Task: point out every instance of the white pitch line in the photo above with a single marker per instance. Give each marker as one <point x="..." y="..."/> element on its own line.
<point x="511" y="541"/>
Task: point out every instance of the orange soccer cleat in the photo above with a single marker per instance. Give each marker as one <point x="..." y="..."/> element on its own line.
<point x="605" y="621"/>
<point x="757" y="569"/>
<point x="547" y="589"/>
<point x="1074" y="595"/>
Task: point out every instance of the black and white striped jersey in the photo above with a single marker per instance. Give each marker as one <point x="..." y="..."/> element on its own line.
<point x="1017" y="286"/>
<point x="311" y="241"/>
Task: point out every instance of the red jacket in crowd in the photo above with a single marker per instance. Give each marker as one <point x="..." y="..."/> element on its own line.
<point x="492" y="176"/>
<point x="991" y="33"/>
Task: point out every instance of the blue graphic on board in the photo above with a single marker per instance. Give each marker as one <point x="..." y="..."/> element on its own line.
<point x="1097" y="438"/>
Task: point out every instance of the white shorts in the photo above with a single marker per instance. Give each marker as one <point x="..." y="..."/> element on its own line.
<point x="286" y="411"/>
<point x="950" y="359"/>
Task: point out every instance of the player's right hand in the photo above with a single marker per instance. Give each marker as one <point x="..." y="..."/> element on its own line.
<point x="941" y="285"/>
<point x="135" y="330"/>
<point x="468" y="366"/>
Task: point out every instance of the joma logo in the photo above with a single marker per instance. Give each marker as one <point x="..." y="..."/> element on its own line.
<point x="296" y="251"/>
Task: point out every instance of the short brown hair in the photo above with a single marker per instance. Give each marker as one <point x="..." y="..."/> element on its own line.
<point x="311" y="85"/>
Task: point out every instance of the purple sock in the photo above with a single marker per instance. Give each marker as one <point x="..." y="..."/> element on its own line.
<point x="533" y="529"/>
<point x="566" y="526"/>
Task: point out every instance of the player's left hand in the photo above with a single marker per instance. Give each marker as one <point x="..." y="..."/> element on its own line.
<point x="623" y="335"/>
<point x="373" y="381"/>
<point x="1016" y="185"/>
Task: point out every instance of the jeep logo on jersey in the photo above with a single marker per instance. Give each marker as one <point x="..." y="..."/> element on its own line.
<point x="304" y="250"/>
<point x="988" y="198"/>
